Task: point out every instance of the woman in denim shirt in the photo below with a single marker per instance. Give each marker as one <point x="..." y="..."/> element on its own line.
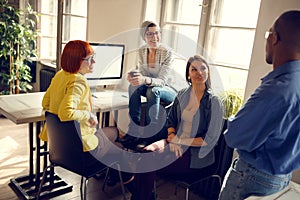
<point x="193" y="128"/>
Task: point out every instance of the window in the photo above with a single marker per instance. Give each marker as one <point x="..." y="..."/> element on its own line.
<point x="155" y="11"/>
<point x="221" y="30"/>
<point x="181" y="22"/>
<point x="74" y="20"/>
<point x="230" y="37"/>
<point x="74" y="24"/>
<point x="48" y="29"/>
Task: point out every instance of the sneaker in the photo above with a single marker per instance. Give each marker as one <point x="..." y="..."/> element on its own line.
<point x="142" y="144"/>
<point x="128" y="141"/>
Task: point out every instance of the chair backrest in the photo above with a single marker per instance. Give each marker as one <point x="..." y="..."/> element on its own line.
<point x="65" y="146"/>
<point x="223" y="158"/>
<point x="225" y="154"/>
<point x="216" y="168"/>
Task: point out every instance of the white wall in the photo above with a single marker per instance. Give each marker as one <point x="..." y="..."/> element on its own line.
<point x="269" y="11"/>
<point x="116" y="21"/>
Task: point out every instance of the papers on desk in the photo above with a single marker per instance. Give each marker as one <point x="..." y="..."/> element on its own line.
<point x="109" y="94"/>
<point x="109" y="100"/>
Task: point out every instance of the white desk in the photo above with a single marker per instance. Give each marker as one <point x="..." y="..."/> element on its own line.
<point x="110" y="100"/>
<point x="27" y="108"/>
<point x="106" y="101"/>
<point x="22" y="108"/>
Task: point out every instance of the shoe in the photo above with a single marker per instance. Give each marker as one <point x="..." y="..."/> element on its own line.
<point x="128" y="141"/>
<point x="126" y="138"/>
<point x="142" y="144"/>
<point x="113" y="180"/>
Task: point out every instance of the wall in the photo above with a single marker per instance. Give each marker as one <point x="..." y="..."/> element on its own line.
<point x="269" y="11"/>
<point x="116" y="21"/>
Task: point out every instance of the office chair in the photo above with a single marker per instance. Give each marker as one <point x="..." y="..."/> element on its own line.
<point x="66" y="151"/>
<point x="217" y="171"/>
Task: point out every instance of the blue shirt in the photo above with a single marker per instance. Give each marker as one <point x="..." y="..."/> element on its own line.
<point x="266" y="131"/>
<point x="207" y="123"/>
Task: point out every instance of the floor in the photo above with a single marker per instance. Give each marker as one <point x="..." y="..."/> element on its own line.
<point x="14" y="163"/>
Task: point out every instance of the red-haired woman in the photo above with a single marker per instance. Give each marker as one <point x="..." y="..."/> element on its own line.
<point x="69" y="97"/>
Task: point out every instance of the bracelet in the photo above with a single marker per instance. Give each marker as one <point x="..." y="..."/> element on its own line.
<point x="171" y="133"/>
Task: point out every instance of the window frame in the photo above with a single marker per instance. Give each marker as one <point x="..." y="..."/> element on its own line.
<point x="206" y="37"/>
<point x="60" y="28"/>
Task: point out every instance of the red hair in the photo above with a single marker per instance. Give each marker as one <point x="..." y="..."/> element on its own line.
<point x="73" y="54"/>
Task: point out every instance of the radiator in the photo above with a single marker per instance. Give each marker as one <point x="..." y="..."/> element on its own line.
<point x="45" y="78"/>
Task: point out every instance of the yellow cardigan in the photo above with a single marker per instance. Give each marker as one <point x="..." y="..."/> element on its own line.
<point x="69" y="97"/>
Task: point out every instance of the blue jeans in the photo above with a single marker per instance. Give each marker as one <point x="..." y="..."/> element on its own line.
<point x="154" y="96"/>
<point x="242" y="180"/>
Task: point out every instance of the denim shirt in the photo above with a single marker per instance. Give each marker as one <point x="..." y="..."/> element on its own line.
<point x="266" y="131"/>
<point x="207" y="123"/>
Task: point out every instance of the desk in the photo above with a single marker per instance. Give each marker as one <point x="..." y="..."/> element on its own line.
<point x="106" y="101"/>
<point x="27" y="108"/>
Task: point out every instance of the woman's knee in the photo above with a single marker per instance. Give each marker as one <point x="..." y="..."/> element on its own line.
<point x="152" y="92"/>
<point x="111" y="133"/>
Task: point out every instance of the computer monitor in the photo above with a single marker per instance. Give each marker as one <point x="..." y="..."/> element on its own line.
<point x="108" y="66"/>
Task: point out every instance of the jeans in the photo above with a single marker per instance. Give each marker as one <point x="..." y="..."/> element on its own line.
<point x="154" y="96"/>
<point x="242" y="180"/>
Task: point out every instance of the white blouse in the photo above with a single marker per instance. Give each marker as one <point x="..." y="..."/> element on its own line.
<point x="188" y="115"/>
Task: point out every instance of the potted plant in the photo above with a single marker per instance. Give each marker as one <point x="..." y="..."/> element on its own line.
<point x="17" y="46"/>
<point x="232" y="101"/>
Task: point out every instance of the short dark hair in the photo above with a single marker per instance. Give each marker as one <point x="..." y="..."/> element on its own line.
<point x="288" y="26"/>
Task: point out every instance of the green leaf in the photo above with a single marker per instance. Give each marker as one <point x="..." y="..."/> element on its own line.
<point x="232" y="101"/>
<point x="17" y="30"/>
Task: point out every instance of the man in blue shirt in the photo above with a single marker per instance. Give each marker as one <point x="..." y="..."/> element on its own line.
<point x="266" y="131"/>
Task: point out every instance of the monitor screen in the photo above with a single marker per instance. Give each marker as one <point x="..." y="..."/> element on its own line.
<point x="108" y="66"/>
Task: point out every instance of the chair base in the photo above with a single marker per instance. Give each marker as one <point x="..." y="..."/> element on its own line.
<point x="28" y="189"/>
